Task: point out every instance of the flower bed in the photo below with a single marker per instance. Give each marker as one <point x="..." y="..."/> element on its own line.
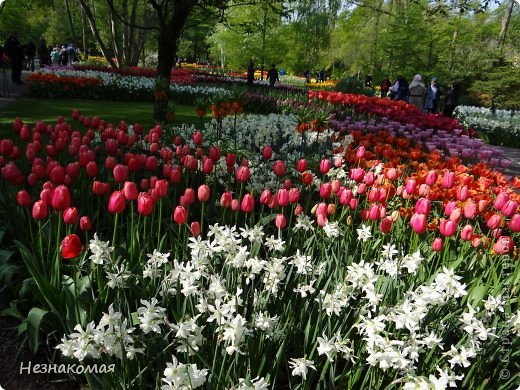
<point x="500" y="127"/>
<point x="184" y="261"/>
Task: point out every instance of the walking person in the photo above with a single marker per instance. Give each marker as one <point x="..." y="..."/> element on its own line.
<point x="417" y="91"/>
<point x="43" y="53"/>
<point x="272" y="76"/>
<point x="385" y="86"/>
<point x="452" y="100"/>
<point x="55" y="56"/>
<point x="431" y="99"/>
<point x="30" y="51"/>
<point x="250" y="73"/>
<point x="13" y="49"/>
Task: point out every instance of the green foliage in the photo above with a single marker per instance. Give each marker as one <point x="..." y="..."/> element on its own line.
<point x="501" y="88"/>
<point x="353" y="85"/>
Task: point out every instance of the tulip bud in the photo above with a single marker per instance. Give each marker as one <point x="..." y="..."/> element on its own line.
<point x="447" y="227"/>
<point x="242" y="174"/>
<point x="130" y="190"/>
<point x="500" y="201"/>
<point x="294" y="195"/>
<point x="280" y="221"/>
<point x="282" y="197"/>
<point x="514" y="224"/>
<point x="39" y="210"/>
<point x="71" y="247"/>
<point x="493" y="221"/>
<point x="431" y="178"/>
<point x="144" y="203"/>
<point x="386" y="225"/>
<point x="203" y="193"/>
<point x="360" y="153"/>
<point x="85" y="224"/>
<point x="116" y="203"/>
<point x="448" y="179"/>
<point x="437" y="244"/>
<point x="418" y="223"/>
<point x="70" y="215"/>
<point x="470" y="209"/>
<point x="279" y="168"/>
<point x="509" y="209"/>
<point x="195" y="229"/>
<point x="23" y="198"/>
<point x="61" y="198"/>
<point x="301" y="166"/>
<point x="225" y="200"/>
<point x="325" y="166"/>
<point x="180" y="215"/>
<point x="197" y="138"/>
<point x="325" y="190"/>
<point x="267" y="152"/>
<point x="120" y="173"/>
<point x="189" y="196"/>
<point x="248" y="203"/>
<point x="466" y="233"/>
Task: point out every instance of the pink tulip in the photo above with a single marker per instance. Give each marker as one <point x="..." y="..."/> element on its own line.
<point x="462" y="193"/>
<point x="225" y="200"/>
<point x="360" y="153"/>
<point x="503" y="245"/>
<point x="447" y="227"/>
<point x="248" y="203"/>
<point x="391" y="174"/>
<point x="431" y="178"/>
<point x="70" y="215"/>
<point x="500" y="201"/>
<point x="294" y="195"/>
<point x="197" y="138"/>
<point x="203" y="193"/>
<point x="301" y="166"/>
<point x="120" y="173"/>
<point x="357" y="174"/>
<point x="61" y="198"/>
<point x="279" y="168"/>
<point x="373" y="212"/>
<point x="470" y="209"/>
<point x="369" y="178"/>
<point x="456" y="215"/>
<point x="242" y="174"/>
<point x="448" y="179"/>
<point x="325" y="190"/>
<point x="514" y="224"/>
<point x="450" y="206"/>
<point x="280" y="221"/>
<point x="423" y="206"/>
<point x="130" y="190"/>
<point x="39" y="210"/>
<point x="418" y="223"/>
<point x="345" y="196"/>
<point x="180" y="215"/>
<point x="116" y="203"/>
<point x="282" y="197"/>
<point x="493" y="221"/>
<point x="235" y="205"/>
<point x="195" y="229"/>
<point x="411" y="186"/>
<point x="325" y="166"/>
<point x="509" y="209"/>
<point x="437" y="244"/>
<point x="466" y="233"/>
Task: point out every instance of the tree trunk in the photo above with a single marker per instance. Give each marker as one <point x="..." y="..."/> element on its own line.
<point x="169" y="34"/>
<point x="505" y="24"/>
<point x="115" y="43"/>
<point x="126" y="39"/>
<point x="84" y="35"/>
<point x="71" y="23"/>
<point x="95" y="32"/>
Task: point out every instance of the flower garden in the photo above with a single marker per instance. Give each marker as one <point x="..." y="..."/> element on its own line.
<point x="299" y="240"/>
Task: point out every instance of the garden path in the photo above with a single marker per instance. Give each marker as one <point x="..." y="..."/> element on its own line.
<point x="16" y="91"/>
<point x="9" y="92"/>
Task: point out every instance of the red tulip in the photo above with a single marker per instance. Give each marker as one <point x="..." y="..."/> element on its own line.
<point x="279" y="168"/>
<point x="195" y="229"/>
<point x="85" y="224"/>
<point x="23" y="198"/>
<point x="345" y="196"/>
<point x="189" y="196"/>
<point x="214" y="154"/>
<point x="357" y="174"/>
<point x="386" y="225"/>
<point x="242" y="174"/>
<point x="116" y="203"/>
<point x="100" y="188"/>
<point x="71" y="247"/>
<point x="197" y="138"/>
<point x="235" y="205"/>
<point x="267" y="152"/>
<point x="207" y="166"/>
<point x="130" y="190"/>
<point x="203" y="193"/>
<point x="307" y="178"/>
<point x="325" y="166"/>
<point x="265" y="196"/>
<point x="280" y="221"/>
<point x="437" y="244"/>
<point x="325" y="190"/>
<point x="161" y="186"/>
<point x="144" y="203"/>
<point x="151" y="163"/>
<point x="39" y="210"/>
<point x="61" y="198"/>
<point x="282" y="197"/>
<point x="301" y="166"/>
<point x="225" y="200"/>
<point x="294" y="195"/>
<point x="503" y="245"/>
<point x="248" y="203"/>
<point x="190" y="163"/>
<point x="180" y="215"/>
<point x="231" y="160"/>
<point x="70" y="215"/>
<point x="298" y="210"/>
<point x="92" y="169"/>
<point x="120" y="173"/>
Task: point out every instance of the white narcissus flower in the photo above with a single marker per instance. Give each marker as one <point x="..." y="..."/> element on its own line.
<point x="150" y="316"/>
<point x="364" y="233"/>
<point x="327" y="347"/>
<point x="300" y="367"/>
<point x="101" y="251"/>
<point x="234" y="332"/>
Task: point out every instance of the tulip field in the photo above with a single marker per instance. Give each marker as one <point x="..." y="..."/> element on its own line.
<point x="337" y="241"/>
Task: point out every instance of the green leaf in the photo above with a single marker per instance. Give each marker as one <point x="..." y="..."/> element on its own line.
<point x="34" y="320"/>
<point x="477" y="294"/>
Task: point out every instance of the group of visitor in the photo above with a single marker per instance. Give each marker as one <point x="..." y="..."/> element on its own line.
<point x="425" y="98"/>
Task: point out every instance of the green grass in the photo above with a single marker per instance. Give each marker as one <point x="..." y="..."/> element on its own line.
<point x="31" y="110"/>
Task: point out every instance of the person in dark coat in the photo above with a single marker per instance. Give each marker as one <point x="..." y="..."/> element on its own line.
<point x="403" y="90"/>
<point x="13" y="49"/>
<point x="385" y="86"/>
<point x="30" y="51"/>
<point x="431" y="99"/>
<point x="250" y="73"/>
<point x="43" y="53"/>
<point x="272" y="76"/>
<point x="452" y="100"/>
